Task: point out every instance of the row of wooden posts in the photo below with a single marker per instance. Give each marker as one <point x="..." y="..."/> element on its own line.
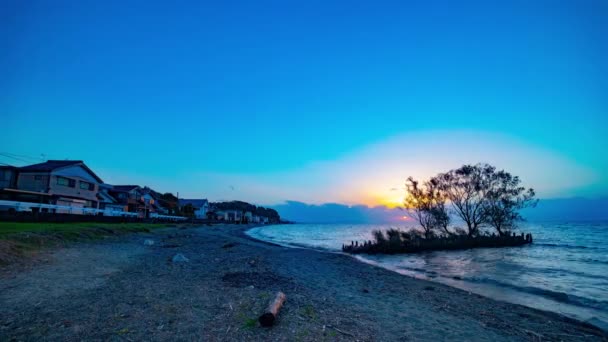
<point x="393" y="246"/>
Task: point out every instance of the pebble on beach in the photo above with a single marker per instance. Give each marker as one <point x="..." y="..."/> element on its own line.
<point x="179" y="257"/>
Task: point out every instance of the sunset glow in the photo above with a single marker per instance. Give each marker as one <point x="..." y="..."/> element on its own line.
<point x="392" y="202"/>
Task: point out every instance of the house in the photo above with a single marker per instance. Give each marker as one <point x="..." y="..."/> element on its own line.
<point x="129" y="197"/>
<point x="228" y="215"/>
<point x="67" y="183"/>
<point x="150" y="203"/>
<point x="259" y="219"/>
<point x="235" y="215"/>
<point x="239" y="211"/>
<point x="234" y="211"/>
<point x="136" y="199"/>
<point x="154" y="199"/>
<point x="248" y="216"/>
<point x="69" y="186"/>
<point x="108" y="202"/>
<point x="201" y="206"/>
<point x="10" y="192"/>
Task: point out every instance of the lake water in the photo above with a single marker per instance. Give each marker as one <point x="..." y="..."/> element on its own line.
<point x="565" y="270"/>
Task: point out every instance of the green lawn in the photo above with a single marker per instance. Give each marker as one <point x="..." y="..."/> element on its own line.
<point x="9" y="228"/>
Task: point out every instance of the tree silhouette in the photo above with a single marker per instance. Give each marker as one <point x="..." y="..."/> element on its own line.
<point x="482" y="196"/>
<point x="427" y="204"/>
<point x="466" y="188"/>
<point x="504" y="198"/>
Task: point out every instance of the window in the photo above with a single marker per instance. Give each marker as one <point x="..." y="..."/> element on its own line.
<point x="66" y="182"/>
<point x="87" y="186"/>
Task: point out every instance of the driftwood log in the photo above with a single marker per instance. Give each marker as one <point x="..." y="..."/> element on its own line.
<point x="267" y="319"/>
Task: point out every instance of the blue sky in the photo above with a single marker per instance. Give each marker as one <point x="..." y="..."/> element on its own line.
<point x="309" y="101"/>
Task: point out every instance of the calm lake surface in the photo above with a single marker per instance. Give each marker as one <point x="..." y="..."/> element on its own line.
<point x="565" y="270"/>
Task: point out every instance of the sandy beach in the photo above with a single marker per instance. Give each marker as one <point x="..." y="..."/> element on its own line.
<point x="121" y="289"/>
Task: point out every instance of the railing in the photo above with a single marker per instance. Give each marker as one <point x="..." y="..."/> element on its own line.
<point x="28" y="206"/>
<point x="168" y="217"/>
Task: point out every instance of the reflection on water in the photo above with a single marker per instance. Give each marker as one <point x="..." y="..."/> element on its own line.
<point x="565" y="270"/>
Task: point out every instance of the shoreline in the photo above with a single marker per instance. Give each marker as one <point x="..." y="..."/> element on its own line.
<point x="120" y="288"/>
<point x="513" y="295"/>
<point x="243" y="233"/>
<point x="361" y="259"/>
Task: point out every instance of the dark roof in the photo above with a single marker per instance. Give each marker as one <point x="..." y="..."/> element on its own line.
<point x="125" y="188"/>
<point x="51" y="165"/>
<point x="8" y="167"/>
<point x="197" y="203"/>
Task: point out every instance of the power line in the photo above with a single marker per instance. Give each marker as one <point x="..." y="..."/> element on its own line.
<point x="16" y="158"/>
<point x="22" y="156"/>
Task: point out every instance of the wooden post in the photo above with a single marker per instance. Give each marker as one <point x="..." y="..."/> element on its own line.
<point x="267" y="319"/>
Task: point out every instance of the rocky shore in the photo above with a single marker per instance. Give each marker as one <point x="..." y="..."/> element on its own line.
<point x="212" y="283"/>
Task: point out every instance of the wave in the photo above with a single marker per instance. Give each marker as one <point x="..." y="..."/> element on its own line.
<point x="554" y="295"/>
<point x="566" y="271"/>
<point x="256" y="234"/>
<point x="574" y="273"/>
<point x="558" y="296"/>
<point x="594" y="261"/>
<point x="564" y="246"/>
<point x="530" y="270"/>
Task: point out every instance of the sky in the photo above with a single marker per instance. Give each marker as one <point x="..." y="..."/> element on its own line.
<point x="308" y="101"/>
